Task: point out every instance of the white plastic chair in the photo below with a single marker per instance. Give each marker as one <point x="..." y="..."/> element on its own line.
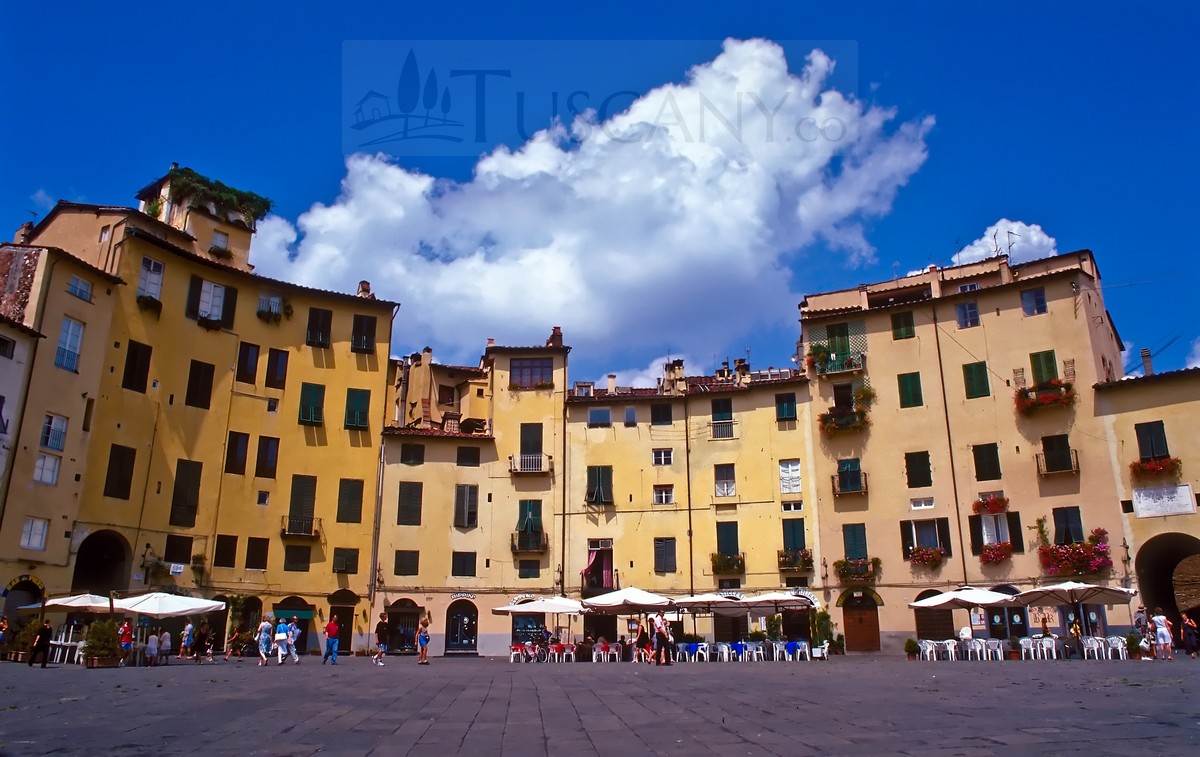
<point x="599" y="652"/>
<point x="994" y="649"/>
<point x="973" y="647"/>
<point x="568" y="650"/>
<point x="819" y="652"/>
<point x="802" y="650"/>
<point x="754" y="651"/>
<point x="1094" y="647"/>
<point x="928" y="649"/>
<point x="516" y="653"/>
<point x="1048" y="647"/>
<point x="781" y="653"/>
<point x="701" y="651"/>
<point x="1028" y="649"/>
<point x="950" y="647"/>
<point x="614" y="652"/>
<point x="1118" y="647"/>
<point x="723" y="652"/>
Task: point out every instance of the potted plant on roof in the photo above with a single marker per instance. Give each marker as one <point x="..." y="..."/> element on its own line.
<point x="102" y="645"/>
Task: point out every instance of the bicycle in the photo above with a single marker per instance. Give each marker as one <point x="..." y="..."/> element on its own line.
<point x="537" y="651"/>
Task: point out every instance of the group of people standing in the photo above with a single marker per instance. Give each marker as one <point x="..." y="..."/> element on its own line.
<point x="1158" y="635"/>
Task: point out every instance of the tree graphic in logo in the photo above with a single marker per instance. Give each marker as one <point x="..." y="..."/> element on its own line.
<point x="415" y="106"/>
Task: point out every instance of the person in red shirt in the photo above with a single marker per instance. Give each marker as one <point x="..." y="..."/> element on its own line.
<point x="331" y="641"/>
<point x="126" y="632"/>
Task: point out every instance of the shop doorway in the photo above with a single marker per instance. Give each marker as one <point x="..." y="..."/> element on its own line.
<point x="462" y="624"/>
<point x="933" y="622"/>
<point x="404" y="615"/>
<point x="303" y="612"/>
<point x="1004" y="622"/>
<point x="860" y="616"/>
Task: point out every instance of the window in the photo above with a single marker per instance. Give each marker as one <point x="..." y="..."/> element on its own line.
<point x="412" y="454"/>
<point x="297" y="557"/>
<point x="725" y="480"/>
<point x="791" y="506"/>
<point x="903" y="326"/>
<point x="918" y="470"/>
<point x="968" y="287"/>
<point x="312" y="404"/>
<point x="529" y="569"/>
<point x="722" y="418"/>
<point x="320" y="324"/>
<point x="838" y="338"/>
<point x="785" y="407"/>
<point x="662" y="456"/>
<point x="70" y="340"/>
<point x="853" y="540"/>
<point x="54" y="432"/>
<point x="277" y="361"/>
<point x="137" y="366"/>
<point x="33" y="533"/>
<point x="1056" y="451"/>
<point x="850" y="476"/>
<point x="1152" y="440"/>
<point x="1045" y="366"/>
<point x="185" y="499"/>
<point x="220" y="240"/>
<point x="664" y="494"/>
<point x="236" y="448"/>
<point x="660" y="414"/>
<point x="727" y="538"/>
<point x="1068" y="527"/>
<point x="921" y="503"/>
<point x="199" y="386"/>
<point x="1033" y="301"/>
<point x="445" y="395"/>
<point x="264" y="498"/>
<point x="630" y="415"/>
<point x="408" y="513"/>
<point x="178" y="549"/>
<point x="119" y="478"/>
<point x="150" y="279"/>
<point x="599" y="485"/>
<point x="362" y="334"/>
<point x="302" y="506"/>
<point x="270" y="304"/>
<point x="358" y="408"/>
<point x="987" y="461"/>
<point x="462" y="564"/>
<point x="599" y="417"/>
<point x="466" y="506"/>
<point x="910" y="390"/>
<point x="933" y="533"/>
<point x="45" y="469"/>
<point x="268" y="457"/>
<point x="793" y="534"/>
<point x="729" y="584"/>
<point x="789" y="476"/>
<point x="8" y="347"/>
<point x="975" y="379"/>
<point x="664" y="554"/>
<point x="529" y="517"/>
<point x="995" y="529"/>
<point x="967" y="314"/>
<point x="527" y="373"/>
<point x="81" y="288"/>
<point x="225" y="553"/>
<point x="467" y="457"/>
<point x="256" y="553"/>
<point x="247" y="363"/>
<point x="350" y="499"/>
<point x="407" y="562"/>
<point x="206" y="301"/>
<point x="345" y="560"/>
<point x="105" y="234"/>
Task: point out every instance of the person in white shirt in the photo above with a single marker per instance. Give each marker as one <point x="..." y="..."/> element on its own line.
<point x="164" y="647"/>
<point x="151" y="649"/>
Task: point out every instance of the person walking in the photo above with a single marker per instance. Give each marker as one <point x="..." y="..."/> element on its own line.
<point x="660" y="639"/>
<point x="186" y="639"/>
<point x="41" y="644"/>
<point x="381" y="635"/>
<point x="1191" y="637"/>
<point x="423" y="642"/>
<point x="200" y="643"/>
<point x="331" y="641"/>
<point x="126" y="634"/>
<point x="263" y="634"/>
<point x="294" y="639"/>
<point x="283" y="636"/>
<point x="233" y="645"/>
<point x="1162" y="632"/>
<point x="164" y="647"/>
<point x="152" y="647"/>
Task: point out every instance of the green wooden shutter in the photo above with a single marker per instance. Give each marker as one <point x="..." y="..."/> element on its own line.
<point x="228" y="307"/>
<point x="350" y="498"/>
<point x="854" y="540"/>
<point x="975" y="379"/>
<point x="1045" y="366"/>
<point x="793" y="534"/>
<point x="910" y="390"/>
<point x="408" y="512"/>
<point x="1015" y="537"/>
<point x="727" y="538"/>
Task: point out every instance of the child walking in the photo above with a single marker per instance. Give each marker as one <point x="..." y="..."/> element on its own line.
<point x="423" y="643"/>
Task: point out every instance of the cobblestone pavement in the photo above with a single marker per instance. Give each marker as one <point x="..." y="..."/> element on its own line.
<point x="850" y="705"/>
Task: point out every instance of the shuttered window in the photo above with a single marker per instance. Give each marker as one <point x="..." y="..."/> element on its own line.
<point x="178" y="549"/>
<point x="993" y="529"/>
<point x="358" y="408"/>
<point x="408" y="512"/>
<point x="303" y="504"/>
<point x="987" y="461"/>
<point x="664" y="555"/>
<point x="467" y="457"/>
<point x="599" y="485"/>
<point x="660" y="414"/>
<point x="930" y="534"/>
<point x="235" y="452"/>
<point x="902" y="326"/>
<point x="917" y="469"/>
<point x="462" y="564"/>
<point x="362" y="334"/>
<point x="412" y="454"/>
<point x="793" y="534"/>
<point x="975" y="379"/>
<point x="119" y="478"/>
<point x="466" y="506"/>
<point x="268" y="457"/>
<point x="345" y="560"/>
<point x="854" y="540"/>
<point x="247" y="364"/>
<point x="312" y="404"/>
<point x="1152" y="440"/>
<point x="408" y="562"/>
<point x="1068" y="526"/>
<point x="727" y="538"/>
<point x="185" y="498"/>
<point x="1045" y="366"/>
<point x="529" y="515"/>
<point x="199" y="386"/>
<point x="256" y="552"/>
<point x="277" y="362"/>
<point x="225" y="553"/>
<point x="137" y="366"/>
<point x="297" y="558"/>
<point x="910" y="390"/>
<point x="320" y="324"/>
<point x="785" y="407"/>
<point x="350" y="499"/>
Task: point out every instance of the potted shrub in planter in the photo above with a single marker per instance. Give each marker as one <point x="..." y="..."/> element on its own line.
<point x="912" y="649"/>
<point x="837" y="645"/>
<point x="1133" y="643"/>
<point x="21" y="644"/>
<point x="1014" y="648"/>
<point x="102" y="645"/>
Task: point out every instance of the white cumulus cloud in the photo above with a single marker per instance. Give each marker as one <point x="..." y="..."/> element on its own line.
<point x="633" y="234"/>
<point x="1020" y="240"/>
<point x="1193" y="358"/>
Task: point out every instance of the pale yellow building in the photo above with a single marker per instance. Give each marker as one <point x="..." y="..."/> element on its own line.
<point x="944" y="389"/>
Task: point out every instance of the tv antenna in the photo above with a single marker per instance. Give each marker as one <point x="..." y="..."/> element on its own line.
<point x="996" y="242"/>
<point x="1011" y="234"/>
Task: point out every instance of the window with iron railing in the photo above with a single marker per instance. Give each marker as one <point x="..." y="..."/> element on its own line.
<point x="54" y="432"/>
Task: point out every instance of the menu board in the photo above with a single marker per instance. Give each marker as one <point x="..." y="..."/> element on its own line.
<point x="1156" y="501"/>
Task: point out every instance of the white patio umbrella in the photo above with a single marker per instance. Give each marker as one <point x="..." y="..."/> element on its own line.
<point x="774" y="602"/>
<point x="1073" y="593"/>
<point x="159" y="604"/>
<point x="963" y="599"/>
<point x="630" y="600"/>
<point x="715" y="603"/>
<point x="554" y="605"/>
<point x="80" y="602"/>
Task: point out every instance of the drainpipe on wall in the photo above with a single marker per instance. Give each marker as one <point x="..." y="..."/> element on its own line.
<point x="375" y="528"/>
<point x="962" y="551"/>
<point x="687" y="456"/>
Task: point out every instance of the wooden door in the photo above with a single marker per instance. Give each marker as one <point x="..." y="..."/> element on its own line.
<point x="860" y="617"/>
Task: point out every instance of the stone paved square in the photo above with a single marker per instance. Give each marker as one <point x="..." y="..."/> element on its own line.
<point x="485" y="706"/>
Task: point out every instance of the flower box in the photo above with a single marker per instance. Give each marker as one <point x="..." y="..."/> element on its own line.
<point x="268" y="315"/>
<point x="152" y="304"/>
<point x="220" y="252"/>
<point x="864" y="570"/>
<point x="1052" y="393"/>
<point x="211" y="324"/>
<point x="1083" y="558"/>
<point x="994" y="554"/>
<point x="990" y="505"/>
<point x="722" y="563"/>
<point x="926" y="557"/>
<point x="843" y="420"/>
<point x="1161" y="467"/>
<point x="795" y="559"/>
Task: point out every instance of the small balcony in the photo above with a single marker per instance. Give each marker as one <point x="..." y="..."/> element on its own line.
<point x="843" y="419"/>
<point x="848" y="362"/>
<point x="301" y="527"/>
<point x="795" y="559"/>
<point x="594" y="587"/>
<point x="849" y="482"/>
<point x="1047" y="394"/>
<point x="863" y="570"/>
<point x="533" y="542"/>
<point x="720" y="430"/>
<point x="539" y="464"/>
<point x="1066" y="461"/>
<point x="723" y="563"/>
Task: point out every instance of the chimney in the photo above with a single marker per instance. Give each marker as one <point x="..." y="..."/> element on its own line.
<point x="555" y="339"/>
<point x="451" y="422"/>
<point x="427" y="356"/>
<point x="23" y="233"/>
<point x="491" y="342"/>
<point x="1147" y="366"/>
<point x="612" y="381"/>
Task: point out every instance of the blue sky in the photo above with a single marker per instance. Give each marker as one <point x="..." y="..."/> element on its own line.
<point x="1076" y="118"/>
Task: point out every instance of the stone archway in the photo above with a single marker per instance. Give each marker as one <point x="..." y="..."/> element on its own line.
<point x="860" y="619"/>
<point x="1166" y="577"/>
<point x="102" y="564"/>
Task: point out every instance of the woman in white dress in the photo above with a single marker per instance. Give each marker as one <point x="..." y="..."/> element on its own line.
<point x="164" y="647"/>
<point x="1162" y="632"/>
